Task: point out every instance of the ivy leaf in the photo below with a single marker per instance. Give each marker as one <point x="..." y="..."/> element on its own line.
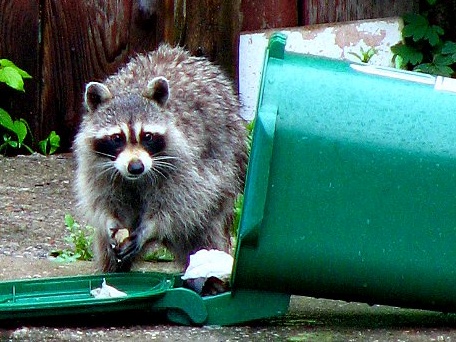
<point x="7" y="63"/>
<point x="12" y="78"/>
<point x="449" y="48"/>
<point x="441" y="59"/>
<point x="21" y="130"/>
<point x="435" y="69"/>
<point x="54" y="141"/>
<point x="5" y="120"/>
<point x="43" y="146"/>
<point x="409" y="54"/>
<point x="433" y="34"/>
<point x="418" y="28"/>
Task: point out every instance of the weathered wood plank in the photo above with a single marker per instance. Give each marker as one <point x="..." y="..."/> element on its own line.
<point x="260" y="14"/>
<point x="209" y="28"/>
<point x="318" y="11"/>
<point x="19" y="34"/>
<point x="83" y="41"/>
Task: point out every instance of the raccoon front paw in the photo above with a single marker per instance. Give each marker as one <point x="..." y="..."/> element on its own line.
<point x="127" y="251"/>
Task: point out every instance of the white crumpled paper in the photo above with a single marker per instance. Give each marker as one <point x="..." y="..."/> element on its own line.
<point x="106" y="291"/>
<point x="208" y="264"/>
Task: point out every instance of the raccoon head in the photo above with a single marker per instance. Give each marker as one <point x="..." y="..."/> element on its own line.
<point x="134" y="146"/>
<point x="97" y="93"/>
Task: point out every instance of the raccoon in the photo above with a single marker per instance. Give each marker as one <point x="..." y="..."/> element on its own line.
<point x="161" y="152"/>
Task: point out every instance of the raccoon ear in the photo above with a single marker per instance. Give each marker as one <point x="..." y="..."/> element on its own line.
<point x="96" y="94"/>
<point x="157" y="90"/>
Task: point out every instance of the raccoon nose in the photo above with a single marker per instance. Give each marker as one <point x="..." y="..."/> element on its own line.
<point x="135" y="167"/>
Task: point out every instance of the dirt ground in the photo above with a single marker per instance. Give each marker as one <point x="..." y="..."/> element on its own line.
<point x="35" y="194"/>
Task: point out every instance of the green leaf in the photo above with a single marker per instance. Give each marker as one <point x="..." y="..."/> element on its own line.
<point x="431" y="2"/>
<point x="418" y="28"/>
<point x="433" y="34"/>
<point x="7" y="63"/>
<point x="69" y="220"/>
<point x="13" y="143"/>
<point x="443" y="59"/>
<point x="54" y="141"/>
<point x="409" y="54"/>
<point x="21" y="130"/>
<point x="42" y="145"/>
<point x="5" y="120"/>
<point x="449" y="48"/>
<point x="12" y="78"/>
<point x="433" y="69"/>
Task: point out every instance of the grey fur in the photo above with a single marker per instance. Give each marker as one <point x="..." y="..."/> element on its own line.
<point x="188" y="207"/>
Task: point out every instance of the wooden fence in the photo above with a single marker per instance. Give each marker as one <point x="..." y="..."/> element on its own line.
<point x="65" y="43"/>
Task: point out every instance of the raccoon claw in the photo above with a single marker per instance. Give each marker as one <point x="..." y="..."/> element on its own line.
<point x="128" y="249"/>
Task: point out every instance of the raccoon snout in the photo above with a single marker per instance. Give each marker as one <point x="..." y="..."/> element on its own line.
<point x="135" y="167"/>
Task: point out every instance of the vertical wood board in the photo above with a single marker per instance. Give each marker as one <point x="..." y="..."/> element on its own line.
<point x="329" y="11"/>
<point x="84" y="41"/>
<point x="265" y="14"/>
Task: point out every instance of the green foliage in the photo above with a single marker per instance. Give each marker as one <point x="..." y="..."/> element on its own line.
<point x="17" y="130"/>
<point x="407" y="54"/>
<point x="80" y="238"/>
<point x="424" y="48"/>
<point x="50" y="144"/>
<point x="418" y="28"/>
<point x="12" y="75"/>
<point x="365" y="56"/>
<point x="161" y="254"/>
<point x="239" y="201"/>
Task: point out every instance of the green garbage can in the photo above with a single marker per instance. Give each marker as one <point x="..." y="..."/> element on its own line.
<point x="351" y="187"/>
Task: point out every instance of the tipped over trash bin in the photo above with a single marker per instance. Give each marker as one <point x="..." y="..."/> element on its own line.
<point x="351" y="187"/>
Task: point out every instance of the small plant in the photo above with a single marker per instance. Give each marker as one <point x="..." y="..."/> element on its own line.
<point x="50" y="144"/>
<point x="17" y="130"/>
<point x="424" y="48"/>
<point x="13" y="77"/>
<point x="365" y="56"/>
<point x="160" y="254"/>
<point x="80" y="238"/>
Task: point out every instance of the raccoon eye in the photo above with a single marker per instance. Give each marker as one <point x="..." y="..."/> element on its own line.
<point x="118" y="140"/>
<point x="147" y="137"/>
<point x="153" y="142"/>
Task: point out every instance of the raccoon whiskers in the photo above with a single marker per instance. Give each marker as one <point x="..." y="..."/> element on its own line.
<point x="152" y="175"/>
<point x="161" y="162"/>
<point x="155" y="172"/>
<point x="161" y="166"/>
<point x="108" y="168"/>
<point x="110" y="156"/>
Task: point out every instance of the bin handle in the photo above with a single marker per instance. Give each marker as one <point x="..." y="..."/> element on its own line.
<point x="258" y="175"/>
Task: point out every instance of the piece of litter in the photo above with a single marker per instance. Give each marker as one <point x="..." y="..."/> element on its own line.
<point x="209" y="272"/>
<point x="106" y="291"/>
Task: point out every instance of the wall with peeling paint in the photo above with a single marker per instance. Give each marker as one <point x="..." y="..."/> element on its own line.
<point x="329" y="40"/>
